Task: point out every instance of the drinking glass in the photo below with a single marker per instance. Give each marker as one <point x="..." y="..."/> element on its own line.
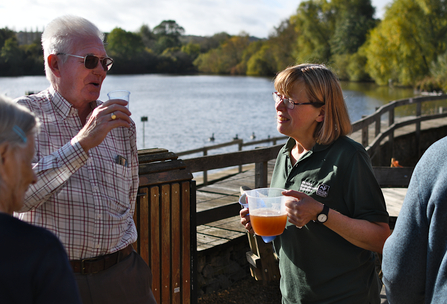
<point x="120" y="94"/>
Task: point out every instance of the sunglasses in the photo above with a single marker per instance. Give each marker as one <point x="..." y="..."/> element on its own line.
<point x="91" y="61"/>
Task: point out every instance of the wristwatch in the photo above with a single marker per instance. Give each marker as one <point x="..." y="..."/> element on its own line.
<point x="322" y="216"/>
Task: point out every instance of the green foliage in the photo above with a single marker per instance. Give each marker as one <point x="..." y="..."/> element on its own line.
<point x="353" y="20"/>
<point x="124" y="45"/>
<point x="411" y="36"/>
<point x="314" y="24"/>
<point x="357" y="67"/>
<point x="262" y="62"/>
<point x="408" y="47"/>
<point x="224" y="59"/>
<point x="437" y="81"/>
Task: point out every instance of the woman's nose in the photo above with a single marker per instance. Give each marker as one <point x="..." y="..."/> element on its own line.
<point x="280" y="105"/>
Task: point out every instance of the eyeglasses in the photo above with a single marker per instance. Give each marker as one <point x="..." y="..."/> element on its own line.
<point x="290" y="104"/>
<point x="91" y="61"/>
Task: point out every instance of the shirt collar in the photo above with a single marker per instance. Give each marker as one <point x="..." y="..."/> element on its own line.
<point x="65" y="108"/>
<point x="291" y="143"/>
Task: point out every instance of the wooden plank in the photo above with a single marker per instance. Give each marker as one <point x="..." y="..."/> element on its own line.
<point x="388" y="177"/>
<point x="218" y="213"/>
<point x="175" y="244"/>
<point x="154" y="262"/>
<point x="136" y="244"/>
<point x="144" y="216"/>
<point x="150" y="168"/>
<point x="231" y="159"/>
<point x="143" y="152"/>
<point x="253" y="259"/>
<point x="164" y="177"/>
<point x="270" y="269"/>
<point x="165" y="243"/>
<point x="186" y="242"/>
<point x="156" y="157"/>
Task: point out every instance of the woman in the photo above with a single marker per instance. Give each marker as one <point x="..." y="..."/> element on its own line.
<point x="34" y="265"/>
<point x="338" y="217"/>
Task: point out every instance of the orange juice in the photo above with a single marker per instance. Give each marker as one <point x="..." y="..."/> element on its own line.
<point x="268" y="222"/>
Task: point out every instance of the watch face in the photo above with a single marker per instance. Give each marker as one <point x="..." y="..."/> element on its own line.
<point x="322" y="218"/>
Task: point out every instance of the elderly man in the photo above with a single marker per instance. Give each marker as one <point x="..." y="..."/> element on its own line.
<point x="87" y="167"/>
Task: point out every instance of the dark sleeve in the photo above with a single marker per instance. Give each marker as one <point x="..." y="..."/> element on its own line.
<point x="55" y="282"/>
<point x="362" y="192"/>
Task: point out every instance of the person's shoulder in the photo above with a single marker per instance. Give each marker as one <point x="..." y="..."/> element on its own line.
<point x="347" y="144"/>
<point x="34" y="101"/>
<point x="31" y="233"/>
<point x="438" y="148"/>
<point x="433" y="162"/>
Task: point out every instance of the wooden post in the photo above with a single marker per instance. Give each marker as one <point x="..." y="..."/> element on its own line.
<point x="261" y="175"/>
<point x="205" y="173"/>
<point x="390" y="123"/>
<point x="263" y="262"/>
<point x="418" y="129"/>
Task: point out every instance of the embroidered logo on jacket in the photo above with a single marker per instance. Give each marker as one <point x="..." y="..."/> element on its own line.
<point x="323" y="190"/>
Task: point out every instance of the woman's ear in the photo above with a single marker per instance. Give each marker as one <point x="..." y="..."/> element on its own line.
<point x="5" y="154"/>
<point x="320" y="117"/>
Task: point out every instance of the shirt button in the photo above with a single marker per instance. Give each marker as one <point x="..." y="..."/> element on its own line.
<point x="95" y="188"/>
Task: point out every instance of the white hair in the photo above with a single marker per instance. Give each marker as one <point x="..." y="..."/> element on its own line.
<point x="16" y="122"/>
<point x="60" y="36"/>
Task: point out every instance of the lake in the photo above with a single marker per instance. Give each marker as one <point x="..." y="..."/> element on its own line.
<point x="185" y="111"/>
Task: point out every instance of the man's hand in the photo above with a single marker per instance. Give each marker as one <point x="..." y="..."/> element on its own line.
<point x="100" y="123"/>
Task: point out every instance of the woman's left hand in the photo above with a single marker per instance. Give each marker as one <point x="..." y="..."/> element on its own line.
<point x="303" y="209"/>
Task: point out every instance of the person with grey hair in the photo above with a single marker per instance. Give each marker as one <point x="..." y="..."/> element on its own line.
<point x="34" y="265"/>
<point x="87" y="164"/>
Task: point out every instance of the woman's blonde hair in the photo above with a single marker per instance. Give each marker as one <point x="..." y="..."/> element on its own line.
<point x="321" y="86"/>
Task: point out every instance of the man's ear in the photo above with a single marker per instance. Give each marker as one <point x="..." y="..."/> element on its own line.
<point x="54" y="64"/>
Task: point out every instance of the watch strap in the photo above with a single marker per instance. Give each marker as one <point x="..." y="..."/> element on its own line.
<point x="324" y="212"/>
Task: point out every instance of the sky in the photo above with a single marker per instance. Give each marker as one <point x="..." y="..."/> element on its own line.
<point x="198" y="17"/>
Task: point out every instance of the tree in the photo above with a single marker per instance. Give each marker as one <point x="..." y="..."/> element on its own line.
<point x="354" y="19"/>
<point x="410" y="37"/>
<point x="5" y="34"/>
<point x="282" y="43"/>
<point x="314" y="24"/>
<point x="168" y="34"/>
<point x="169" y="28"/>
<point x="147" y="37"/>
<point x="224" y="59"/>
<point x="11" y="56"/>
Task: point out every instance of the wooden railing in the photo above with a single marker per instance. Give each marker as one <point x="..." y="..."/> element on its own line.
<point x="261" y="156"/>
<point x="390" y="109"/>
<point x="238" y="142"/>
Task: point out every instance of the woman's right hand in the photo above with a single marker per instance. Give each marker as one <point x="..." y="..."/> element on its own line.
<point x="245" y="220"/>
